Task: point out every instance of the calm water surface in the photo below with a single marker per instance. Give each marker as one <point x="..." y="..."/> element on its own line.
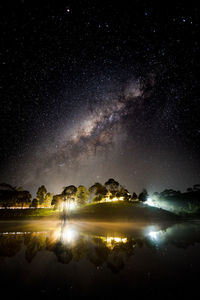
<point x="99" y="260"/>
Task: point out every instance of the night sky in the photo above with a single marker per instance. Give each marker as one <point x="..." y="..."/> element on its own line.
<point x="91" y="91"/>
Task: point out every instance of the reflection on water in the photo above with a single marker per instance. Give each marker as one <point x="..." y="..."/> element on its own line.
<point x="68" y="239"/>
<point x="53" y="260"/>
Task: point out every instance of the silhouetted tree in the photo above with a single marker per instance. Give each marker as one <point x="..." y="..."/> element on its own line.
<point x="122" y="192"/>
<point x="98" y="190"/>
<point x="57" y="201"/>
<point x="143" y="195"/>
<point x="34" y="203"/>
<point x="134" y="196"/>
<point x="112" y="185"/>
<point x="94" y="188"/>
<point x="70" y="192"/>
<point x="23" y="198"/>
<point x="41" y="194"/>
<point x="7" y="195"/>
<point x="82" y="195"/>
<point x="48" y="199"/>
<point x="168" y="193"/>
<point x="11" y="196"/>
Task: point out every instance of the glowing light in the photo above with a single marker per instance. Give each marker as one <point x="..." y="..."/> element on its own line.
<point x="69" y="205"/>
<point x="108" y="199"/>
<point x="69" y="235"/>
<point x="114" y="199"/>
<point x="154" y="234"/>
<point x="72" y="205"/>
<point x="149" y="201"/>
<point x="111" y="240"/>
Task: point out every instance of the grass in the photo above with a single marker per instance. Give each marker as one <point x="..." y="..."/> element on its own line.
<point x="121" y="211"/>
<point x="192" y="210"/>
<point x="109" y="211"/>
<point x="27" y="213"/>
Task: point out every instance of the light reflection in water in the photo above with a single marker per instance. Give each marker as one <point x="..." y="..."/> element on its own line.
<point x="111" y="241"/>
<point x="68" y="235"/>
<point x="73" y="241"/>
<point x="156" y="235"/>
<point x="86" y="255"/>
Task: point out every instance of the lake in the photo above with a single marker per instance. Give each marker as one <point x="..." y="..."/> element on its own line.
<point x="99" y="260"/>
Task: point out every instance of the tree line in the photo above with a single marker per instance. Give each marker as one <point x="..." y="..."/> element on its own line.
<point x="187" y="202"/>
<point x="111" y="190"/>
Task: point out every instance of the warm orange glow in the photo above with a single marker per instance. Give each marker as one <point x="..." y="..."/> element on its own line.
<point x="109" y="199"/>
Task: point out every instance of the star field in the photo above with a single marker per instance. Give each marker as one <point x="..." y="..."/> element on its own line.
<point x="92" y="91"/>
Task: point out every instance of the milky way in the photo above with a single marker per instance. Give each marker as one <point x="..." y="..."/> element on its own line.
<point x="100" y="127"/>
<point x="92" y="92"/>
<point x="95" y="138"/>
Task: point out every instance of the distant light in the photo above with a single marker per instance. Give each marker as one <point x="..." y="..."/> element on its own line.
<point x="69" y="205"/>
<point x="110" y="240"/>
<point x="149" y="202"/>
<point x="117" y="240"/>
<point x="72" y="205"/>
<point x="108" y="199"/>
<point x="154" y="234"/>
<point x="114" y="199"/>
<point x="157" y="236"/>
<point x="69" y="235"/>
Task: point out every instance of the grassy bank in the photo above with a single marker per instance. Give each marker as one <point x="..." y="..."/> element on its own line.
<point x="121" y="211"/>
<point x="109" y="211"/>
<point x="27" y="213"/>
